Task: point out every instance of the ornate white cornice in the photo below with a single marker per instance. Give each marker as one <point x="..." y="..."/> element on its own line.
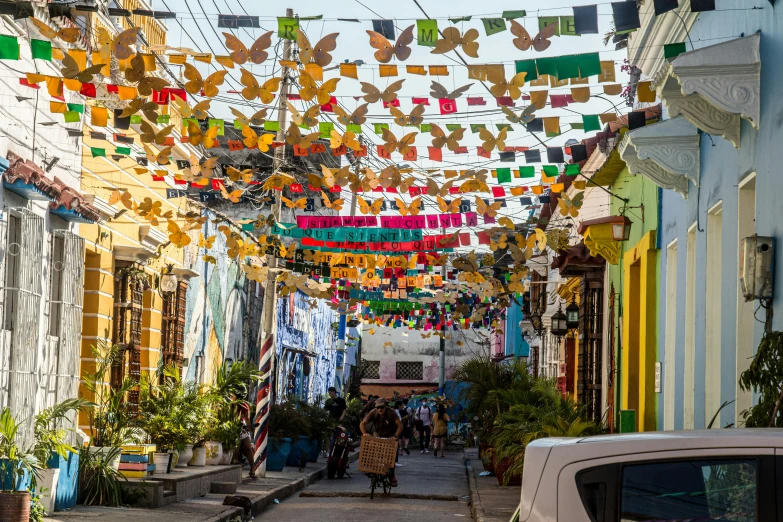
<point x="645" y="46"/>
<point x="105" y="210"/>
<point x="667" y="153"/>
<point x="714" y="86"/>
<point x="150" y="237"/>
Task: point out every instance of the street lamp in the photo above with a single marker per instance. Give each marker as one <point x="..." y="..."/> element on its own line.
<point x="538" y="323"/>
<point x="559" y="326"/>
<point x="572" y="315"/>
<point x="168" y="281"/>
<point x="621" y="228"/>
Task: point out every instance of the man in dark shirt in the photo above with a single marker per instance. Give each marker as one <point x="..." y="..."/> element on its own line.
<point x="336" y="406"/>
<point x="386" y="424"/>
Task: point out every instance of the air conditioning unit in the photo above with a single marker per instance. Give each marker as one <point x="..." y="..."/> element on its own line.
<point x="757" y="267"/>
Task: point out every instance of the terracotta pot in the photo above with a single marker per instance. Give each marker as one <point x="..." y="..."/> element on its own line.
<point x="185" y="456"/>
<point x="501" y="468"/>
<point x="15" y="507"/>
<point x="199" y="457"/>
<point x="214" y="452"/>
<point x="486" y="454"/>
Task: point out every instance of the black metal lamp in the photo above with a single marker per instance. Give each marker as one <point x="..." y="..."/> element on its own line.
<point x="168" y="281"/>
<point x="538" y="323"/>
<point x="559" y="326"/>
<point x="572" y="315"/>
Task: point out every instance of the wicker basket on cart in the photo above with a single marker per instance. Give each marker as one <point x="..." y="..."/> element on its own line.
<point x="377" y="455"/>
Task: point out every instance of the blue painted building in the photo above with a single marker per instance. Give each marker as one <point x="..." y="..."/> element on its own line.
<point x="715" y="154"/>
<point x="516" y="345"/>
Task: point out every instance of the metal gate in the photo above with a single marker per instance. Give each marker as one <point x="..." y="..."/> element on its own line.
<point x="589" y="386"/>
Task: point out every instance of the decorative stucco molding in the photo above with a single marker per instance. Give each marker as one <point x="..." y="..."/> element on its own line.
<point x="598" y="238"/>
<point x="150" y="237"/>
<point x="71" y="199"/>
<point x="714" y="86"/>
<point x="667" y="153"/>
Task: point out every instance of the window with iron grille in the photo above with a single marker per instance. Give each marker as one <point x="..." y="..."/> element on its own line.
<point x="173" y="327"/>
<point x="410" y="371"/>
<point x="128" y="302"/>
<point x="372" y="369"/>
<point x="534" y="360"/>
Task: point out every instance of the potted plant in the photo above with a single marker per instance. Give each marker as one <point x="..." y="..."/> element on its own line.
<point x="99" y="479"/>
<point x="285" y="422"/>
<point x="320" y="424"/>
<point x="110" y="423"/>
<point x="52" y="449"/>
<point x="21" y="471"/>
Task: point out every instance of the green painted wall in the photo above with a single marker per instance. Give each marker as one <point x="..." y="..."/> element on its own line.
<point x="642" y="210"/>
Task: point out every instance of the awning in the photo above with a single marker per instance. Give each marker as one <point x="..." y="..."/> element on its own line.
<point x="713" y="87"/>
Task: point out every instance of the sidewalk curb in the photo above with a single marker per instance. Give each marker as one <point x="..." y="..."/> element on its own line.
<point x="263" y="501"/>
<point x="228" y="514"/>
<point x="476" y="509"/>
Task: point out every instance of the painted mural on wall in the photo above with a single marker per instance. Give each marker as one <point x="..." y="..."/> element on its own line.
<point x="306" y="348"/>
<point x="216" y="307"/>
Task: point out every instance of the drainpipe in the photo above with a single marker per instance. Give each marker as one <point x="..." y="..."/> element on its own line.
<point x="339" y="370"/>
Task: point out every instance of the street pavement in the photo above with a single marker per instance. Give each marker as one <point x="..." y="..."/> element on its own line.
<point x="425" y="484"/>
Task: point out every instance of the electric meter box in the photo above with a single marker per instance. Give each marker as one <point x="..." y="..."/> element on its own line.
<point x="757" y="267"/>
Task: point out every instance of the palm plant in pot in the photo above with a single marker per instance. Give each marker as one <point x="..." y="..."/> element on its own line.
<point x="320" y="424"/>
<point x="51" y="446"/>
<point x="108" y="415"/>
<point x="285" y="422"/>
<point x="21" y="471"/>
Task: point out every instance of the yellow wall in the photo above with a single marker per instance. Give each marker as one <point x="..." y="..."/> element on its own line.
<point x="639" y="331"/>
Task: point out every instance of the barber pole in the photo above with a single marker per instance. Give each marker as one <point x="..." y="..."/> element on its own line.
<point x="260" y="437"/>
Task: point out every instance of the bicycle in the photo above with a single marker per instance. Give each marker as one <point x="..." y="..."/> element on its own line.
<point x="378" y="480"/>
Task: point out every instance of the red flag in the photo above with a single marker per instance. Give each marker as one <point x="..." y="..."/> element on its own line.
<point x="498" y="192"/>
<point x="505" y="100"/>
<point x="88" y="90"/>
<point x="476" y="100"/>
<point x="394" y="103"/>
<point x="412" y="155"/>
<point x="483" y="153"/>
<point x="447" y="106"/>
<point x="425" y="101"/>
<point x="435" y="154"/>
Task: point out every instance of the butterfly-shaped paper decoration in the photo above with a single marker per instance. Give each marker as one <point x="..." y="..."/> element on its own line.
<point x="367" y="208"/>
<point x="294" y="137"/>
<point x="299" y="203"/>
<point x="197" y="137"/>
<point x="135" y="73"/>
<point x="413" y="208"/>
<point x="209" y="259"/>
<point x="489" y="210"/>
<point x="434" y="190"/>
<point x="386" y="50"/>
<point x="71" y="71"/>
<point x="541" y="42"/>
<point x="149" y="134"/>
<point x="310" y="90"/>
<point x="308" y="119"/>
<point x="492" y="142"/>
<point x="449" y="208"/>
<point x="414" y="118"/>
<point x="403" y="145"/>
<point x="570" y="206"/>
<point x="198" y="111"/>
<point x="369" y="181"/>
<point x="234" y="196"/>
<point x="318" y="53"/>
<point x="204" y="169"/>
<point x="526" y="117"/>
<point x="348" y="139"/>
<point x="337" y="204"/>
<point x="176" y="235"/>
<point x="451" y="141"/>
<point x="122" y="196"/>
<point x="372" y="94"/>
<point x="265" y="92"/>
<point x="161" y="158"/>
<point x="501" y="243"/>
<point x="68" y="34"/>
<point x="358" y="117"/>
<point x="278" y="182"/>
<point x="257" y="53"/>
<point x="256" y="119"/>
<point x="440" y="92"/>
<point x="252" y="139"/>
<point x="236" y="175"/>
<point x="499" y="88"/>
<point x="451" y="39"/>
<point x="149" y="109"/>
<point x="196" y="82"/>
<point x="120" y="46"/>
<point x="205" y="242"/>
<point x="506" y="222"/>
<point x="147" y="84"/>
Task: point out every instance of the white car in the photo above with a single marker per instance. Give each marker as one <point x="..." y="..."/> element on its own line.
<point x="685" y="476"/>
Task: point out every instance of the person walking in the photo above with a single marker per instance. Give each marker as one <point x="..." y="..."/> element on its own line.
<point x="336" y="406"/>
<point x="440" y="427"/>
<point x="405" y="436"/>
<point x="424" y="419"/>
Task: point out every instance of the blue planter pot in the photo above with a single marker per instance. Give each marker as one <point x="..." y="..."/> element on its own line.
<point x="277" y="453"/>
<point x="315" y="450"/>
<point x="302" y="445"/>
<point x="67" y="484"/>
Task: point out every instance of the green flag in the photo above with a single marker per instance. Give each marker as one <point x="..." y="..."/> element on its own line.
<point x="75" y="107"/>
<point x="544" y="21"/>
<point x="135" y="119"/>
<point x="379" y="128"/>
<point x="286" y="27"/>
<point x="567" y="67"/>
<point x="220" y="124"/>
<point x="577" y="126"/>
<point x="271" y="126"/>
<point x="547" y="65"/>
<point x="527" y="66"/>
<point x="125" y="151"/>
<point x="427" y="32"/>
<point x="504" y="175"/>
<point x="507" y="126"/>
<point x="451" y="127"/>
<point x="591" y="122"/>
<point x="163" y="118"/>
<point x="550" y="170"/>
<point x="41" y="49"/>
<point x="326" y="128"/>
<point x="527" y="172"/>
<point x="356" y="129"/>
<point x="510" y="15"/>
<point x="460" y="19"/>
<point x="494" y="25"/>
<point x="572" y="169"/>
<point x="673" y="50"/>
<point x="9" y="47"/>
<point x="589" y="65"/>
<point x="567" y="27"/>
<point x="98" y="153"/>
<point x="72" y="117"/>
<point x="425" y="127"/>
<point x="474" y="127"/>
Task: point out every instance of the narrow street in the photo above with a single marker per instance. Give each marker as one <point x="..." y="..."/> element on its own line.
<point x="429" y="489"/>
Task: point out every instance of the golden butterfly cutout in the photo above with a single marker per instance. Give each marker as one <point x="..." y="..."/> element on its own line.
<point x="403" y="145"/>
<point x="257" y="52"/>
<point x="252" y="90"/>
<point x="451" y="39"/>
<point x="320" y="52"/>
<point x="367" y="208"/>
<point x="252" y="139"/>
<point x="414" y="118"/>
<point x="197" y="137"/>
<point x="149" y="134"/>
<point x="449" y="208"/>
<point x="372" y="94"/>
<point x="358" y="117"/>
<point x="570" y="206"/>
<point x="337" y="204"/>
<point x="440" y="92"/>
<point x="490" y="210"/>
<point x="67" y="34"/>
<point x="499" y="88"/>
<point x="386" y="50"/>
<point x="294" y="137"/>
<point x="300" y="203"/>
<point x="540" y="43"/>
<point x="311" y="90"/>
<point x="256" y="119"/>
<point x="348" y="139"/>
<point x="440" y="139"/>
<point x="412" y="209"/>
<point x="308" y="119"/>
<point x="527" y="116"/>
<point x="492" y="142"/>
